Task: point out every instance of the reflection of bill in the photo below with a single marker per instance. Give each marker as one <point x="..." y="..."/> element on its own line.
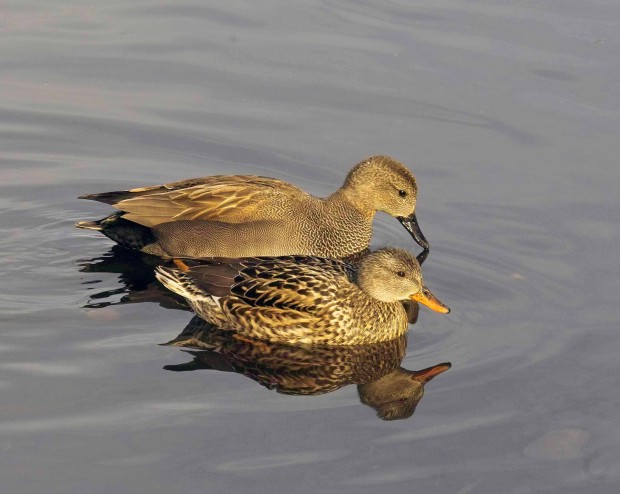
<point x="382" y="383"/>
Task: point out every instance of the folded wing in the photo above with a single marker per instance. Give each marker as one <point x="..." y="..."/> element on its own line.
<point x="227" y="199"/>
<point x="298" y="283"/>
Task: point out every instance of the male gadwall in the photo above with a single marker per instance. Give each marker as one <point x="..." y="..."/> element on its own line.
<point x="299" y="299"/>
<point x="242" y="215"/>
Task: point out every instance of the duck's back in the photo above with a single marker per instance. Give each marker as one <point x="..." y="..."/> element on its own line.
<point x="227" y="199"/>
<point x="292" y="299"/>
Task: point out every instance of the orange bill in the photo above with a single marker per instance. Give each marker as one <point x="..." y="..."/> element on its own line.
<point x="427" y="374"/>
<point x="425" y="297"/>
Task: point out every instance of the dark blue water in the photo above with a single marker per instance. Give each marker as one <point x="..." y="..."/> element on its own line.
<point x="508" y="114"/>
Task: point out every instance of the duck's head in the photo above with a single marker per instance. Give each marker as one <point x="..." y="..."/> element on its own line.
<point x="393" y="275"/>
<point x="381" y="183"/>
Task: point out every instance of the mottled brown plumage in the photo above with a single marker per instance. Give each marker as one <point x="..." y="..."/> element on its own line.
<point x="393" y="391"/>
<point x="238" y="216"/>
<point x="302" y="299"/>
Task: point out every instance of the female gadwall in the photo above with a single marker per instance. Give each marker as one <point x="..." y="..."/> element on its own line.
<point x="298" y="299"/>
<point x="238" y="216"/>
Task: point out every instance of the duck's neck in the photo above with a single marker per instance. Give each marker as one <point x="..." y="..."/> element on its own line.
<point x="349" y="198"/>
<point x="344" y="229"/>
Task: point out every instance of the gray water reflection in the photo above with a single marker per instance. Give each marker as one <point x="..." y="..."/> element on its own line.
<point x="136" y="277"/>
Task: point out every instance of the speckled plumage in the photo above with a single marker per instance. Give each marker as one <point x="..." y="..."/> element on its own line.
<point x="302" y="299"/>
<point x="238" y="216"/>
<point x="393" y="391"/>
<point x="296" y="370"/>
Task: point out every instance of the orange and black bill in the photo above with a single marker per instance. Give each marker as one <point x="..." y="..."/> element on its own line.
<point x="425" y="375"/>
<point x="425" y="297"/>
<point x="411" y="225"/>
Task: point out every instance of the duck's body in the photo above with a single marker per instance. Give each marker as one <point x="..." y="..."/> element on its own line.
<point x="302" y="299"/>
<point x="244" y="215"/>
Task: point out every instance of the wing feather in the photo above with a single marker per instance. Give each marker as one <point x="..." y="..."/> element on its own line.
<point x="227" y="199"/>
<point x="297" y="283"/>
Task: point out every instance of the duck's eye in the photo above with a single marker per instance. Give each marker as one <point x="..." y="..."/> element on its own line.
<point x="401" y="274"/>
<point x="402" y="193"/>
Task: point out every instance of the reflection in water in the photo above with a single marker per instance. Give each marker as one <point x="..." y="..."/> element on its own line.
<point x="394" y="392"/>
<point x="136" y="274"/>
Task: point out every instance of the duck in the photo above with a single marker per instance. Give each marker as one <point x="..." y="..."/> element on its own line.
<point x="246" y="215"/>
<point x="305" y="299"/>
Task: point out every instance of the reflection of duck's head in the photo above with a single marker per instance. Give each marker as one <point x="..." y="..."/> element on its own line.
<point x="396" y="395"/>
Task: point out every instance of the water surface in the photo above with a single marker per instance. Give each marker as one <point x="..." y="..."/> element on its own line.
<point x="508" y="113"/>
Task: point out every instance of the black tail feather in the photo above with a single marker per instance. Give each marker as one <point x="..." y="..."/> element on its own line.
<point x="108" y="197"/>
<point x="126" y="233"/>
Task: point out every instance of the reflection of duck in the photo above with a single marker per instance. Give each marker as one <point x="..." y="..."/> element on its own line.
<point x="238" y="216"/>
<point x="391" y="390"/>
<point x="383" y="384"/>
<point x="306" y="299"/>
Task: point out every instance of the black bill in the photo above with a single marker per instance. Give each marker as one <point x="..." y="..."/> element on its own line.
<point x="421" y="257"/>
<point x="411" y="224"/>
